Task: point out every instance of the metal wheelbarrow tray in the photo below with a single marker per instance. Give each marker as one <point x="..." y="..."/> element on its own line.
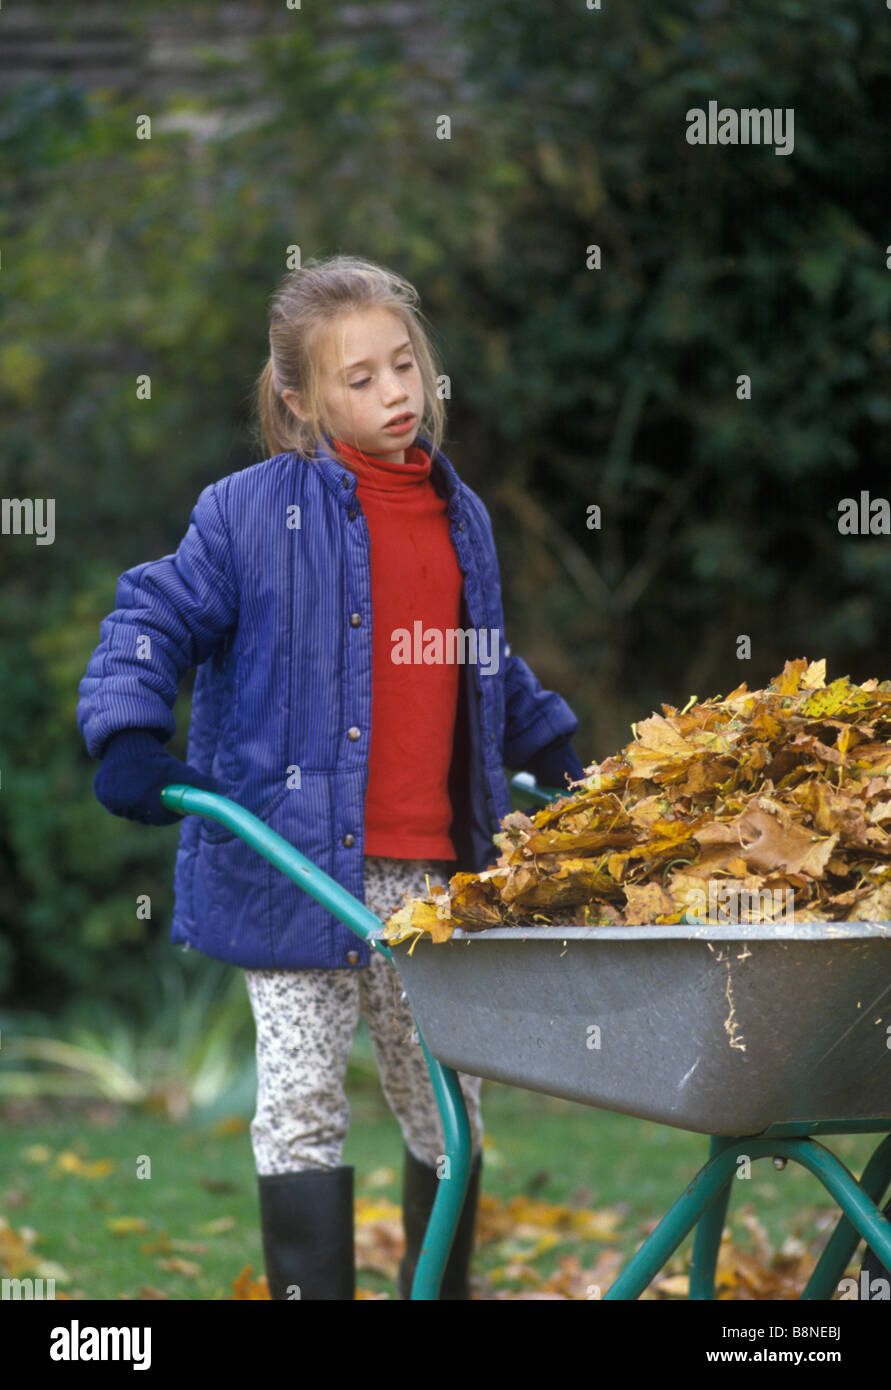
<point x="774" y="1033"/>
<point x="764" y="1036"/>
<point x="722" y="1030"/>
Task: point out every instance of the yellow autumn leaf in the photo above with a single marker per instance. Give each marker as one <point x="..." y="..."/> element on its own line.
<point x="840" y="695"/>
<point x="230" y="1124"/>
<point x="416" y="917"/>
<point x="378" y="1209"/>
<point x="15" y="1251"/>
<point x="248" y="1289"/>
<point x="600" y="1224"/>
<point x="159" y="1245"/>
<point x="675" y="1285"/>
<point x="37" y="1153"/>
<point x="126" y="1225"/>
<point x="175" y="1264"/>
<point x="69" y="1162"/>
<point x="217" y="1227"/>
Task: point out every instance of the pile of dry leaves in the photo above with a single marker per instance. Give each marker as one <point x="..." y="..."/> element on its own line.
<point x="770" y="793"/>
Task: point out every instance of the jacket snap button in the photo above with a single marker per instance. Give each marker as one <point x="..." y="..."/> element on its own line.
<point x="353" y="513"/>
<point x="353" y="733"/>
<point x="349" y="841"/>
<point x="355" y="619"/>
<point x="352" y="957"/>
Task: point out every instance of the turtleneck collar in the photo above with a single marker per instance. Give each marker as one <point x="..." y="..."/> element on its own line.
<point x="381" y="475"/>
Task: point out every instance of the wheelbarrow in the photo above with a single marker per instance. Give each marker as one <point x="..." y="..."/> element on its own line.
<point x="761" y="1037"/>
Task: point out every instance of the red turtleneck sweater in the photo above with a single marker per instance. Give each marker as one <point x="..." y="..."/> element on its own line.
<point x="414" y="578"/>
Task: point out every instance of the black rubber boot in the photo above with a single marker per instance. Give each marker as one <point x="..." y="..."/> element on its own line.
<point x="872" y="1265"/>
<point x="308" y="1244"/>
<point x="419" y="1188"/>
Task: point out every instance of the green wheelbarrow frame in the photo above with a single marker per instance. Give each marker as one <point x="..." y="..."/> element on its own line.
<point x="704" y="1201"/>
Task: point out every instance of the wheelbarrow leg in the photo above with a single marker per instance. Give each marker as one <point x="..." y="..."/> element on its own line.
<point x="708" y="1234"/>
<point x="837" y="1256"/>
<point x="852" y="1197"/>
<point x="709" y="1185"/>
<point x="855" y="1201"/>
<point x="449" y="1202"/>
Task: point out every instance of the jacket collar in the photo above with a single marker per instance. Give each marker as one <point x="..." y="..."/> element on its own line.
<point x="343" y="483"/>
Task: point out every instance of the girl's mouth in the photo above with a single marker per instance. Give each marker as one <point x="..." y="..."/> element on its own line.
<point x="400" y="425"/>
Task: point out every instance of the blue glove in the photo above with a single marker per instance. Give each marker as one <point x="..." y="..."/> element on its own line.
<point x="549" y="764"/>
<point x="134" y="771"/>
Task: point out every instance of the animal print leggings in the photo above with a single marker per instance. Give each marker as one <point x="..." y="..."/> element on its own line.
<point x="306" y="1021"/>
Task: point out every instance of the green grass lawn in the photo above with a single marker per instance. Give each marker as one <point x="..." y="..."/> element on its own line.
<point x="200" y="1208"/>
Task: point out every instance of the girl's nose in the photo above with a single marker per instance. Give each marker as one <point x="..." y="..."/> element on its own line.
<point x="394" y="385"/>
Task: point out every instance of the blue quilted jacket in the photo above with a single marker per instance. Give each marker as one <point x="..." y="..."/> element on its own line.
<point x="269" y="595"/>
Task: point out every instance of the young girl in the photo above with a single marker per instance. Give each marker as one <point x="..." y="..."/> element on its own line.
<point x="341" y="602"/>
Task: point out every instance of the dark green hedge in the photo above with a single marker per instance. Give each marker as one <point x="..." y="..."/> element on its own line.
<point x="570" y="386"/>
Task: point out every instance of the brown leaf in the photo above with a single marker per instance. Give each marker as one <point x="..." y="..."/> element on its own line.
<point x="244" y="1288"/>
<point x="175" y="1264"/>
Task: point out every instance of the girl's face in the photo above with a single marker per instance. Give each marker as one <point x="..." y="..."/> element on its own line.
<point x="368" y="377"/>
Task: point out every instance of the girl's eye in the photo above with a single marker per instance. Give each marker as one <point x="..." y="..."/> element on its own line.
<point x="403" y="367"/>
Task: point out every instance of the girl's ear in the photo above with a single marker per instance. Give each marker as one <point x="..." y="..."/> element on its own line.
<point x="294" y="401"/>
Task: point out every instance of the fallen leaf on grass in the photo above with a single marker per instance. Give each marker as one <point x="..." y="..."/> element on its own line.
<point x="759" y="1275"/>
<point x="18" y="1256"/>
<point x="515" y="1269"/>
<point x="175" y="1264"/>
<point x="158" y="1246"/>
<point x="673" y="1285"/>
<point x="571" y="1280"/>
<point x="381" y="1177"/>
<point x="126" y="1225"/>
<point x="230" y="1124"/>
<point x="523" y="1217"/>
<point x="37" y="1153"/>
<point x="15" y="1251"/>
<point x="218" y="1227"/>
<point x="538" y="1297"/>
<point x="70" y="1162"/>
<point x="380" y="1242"/>
<point x="246" y="1289"/>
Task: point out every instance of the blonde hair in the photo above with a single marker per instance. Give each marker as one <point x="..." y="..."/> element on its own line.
<point x="305" y="305"/>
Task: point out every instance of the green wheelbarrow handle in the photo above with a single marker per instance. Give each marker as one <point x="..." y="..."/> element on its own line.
<point x="525" y="784"/>
<point x="449" y="1201"/>
<point x="281" y="853"/>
